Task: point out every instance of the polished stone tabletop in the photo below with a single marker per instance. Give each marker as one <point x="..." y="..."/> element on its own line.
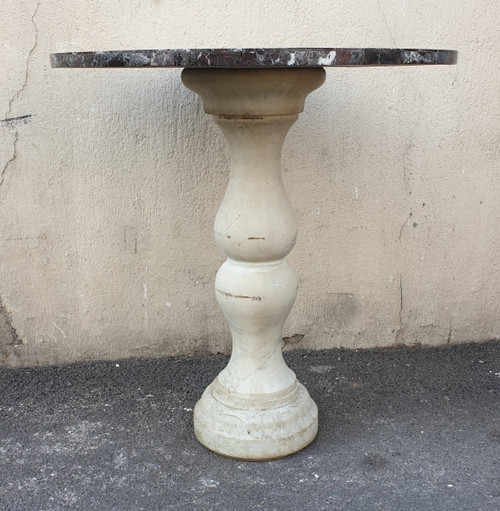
<point x="255" y="57"/>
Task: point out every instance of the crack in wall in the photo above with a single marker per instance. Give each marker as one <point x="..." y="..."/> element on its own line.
<point x="16" y="95"/>
<point x="404" y="225"/>
<point x="399" y="333"/>
<point x="386" y="23"/>
<point x="10" y="160"/>
<point x="406" y="169"/>
<point x="28" y="59"/>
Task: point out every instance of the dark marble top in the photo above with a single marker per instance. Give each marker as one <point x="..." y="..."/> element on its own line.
<point x="255" y="57"/>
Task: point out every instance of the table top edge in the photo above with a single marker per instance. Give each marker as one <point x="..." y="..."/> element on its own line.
<point x="253" y="58"/>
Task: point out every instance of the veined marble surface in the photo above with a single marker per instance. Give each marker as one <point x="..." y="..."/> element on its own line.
<point x="255" y="57"/>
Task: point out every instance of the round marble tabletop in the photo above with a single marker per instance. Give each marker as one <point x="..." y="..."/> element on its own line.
<point x="255" y="57"/>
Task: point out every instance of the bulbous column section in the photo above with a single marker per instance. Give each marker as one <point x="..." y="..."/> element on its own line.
<point x="256" y="408"/>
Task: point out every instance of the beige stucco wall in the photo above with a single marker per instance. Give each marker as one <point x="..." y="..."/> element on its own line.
<point x="108" y="191"/>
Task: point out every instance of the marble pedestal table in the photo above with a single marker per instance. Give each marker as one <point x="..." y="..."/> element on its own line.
<point x="255" y="409"/>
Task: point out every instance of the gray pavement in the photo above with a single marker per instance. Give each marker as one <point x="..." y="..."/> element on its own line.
<point x="400" y="429"/>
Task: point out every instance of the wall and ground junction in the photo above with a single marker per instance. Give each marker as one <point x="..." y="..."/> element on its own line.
<point x="110" y="180"/>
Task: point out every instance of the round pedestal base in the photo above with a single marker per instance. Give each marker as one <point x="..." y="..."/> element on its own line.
<point x="256" y="434"/>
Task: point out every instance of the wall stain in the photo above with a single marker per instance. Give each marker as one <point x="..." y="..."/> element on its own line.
<point x="16" y="121"/>
<point x="343" y="309"/>
<point x="130" y="238"/>
<point x="9" y="338"/>
<point x="293" y="339"/>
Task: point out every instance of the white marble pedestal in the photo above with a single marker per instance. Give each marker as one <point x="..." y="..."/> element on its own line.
<point x="255" y="408"/>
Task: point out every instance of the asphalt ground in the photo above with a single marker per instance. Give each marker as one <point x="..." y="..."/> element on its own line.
<point x="399" y="429"/>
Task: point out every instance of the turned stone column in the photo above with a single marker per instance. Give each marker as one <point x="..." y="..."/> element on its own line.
<point x="255" y="408"/>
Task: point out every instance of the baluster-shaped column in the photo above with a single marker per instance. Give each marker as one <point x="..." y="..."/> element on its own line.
<point x="255" y="408"/>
